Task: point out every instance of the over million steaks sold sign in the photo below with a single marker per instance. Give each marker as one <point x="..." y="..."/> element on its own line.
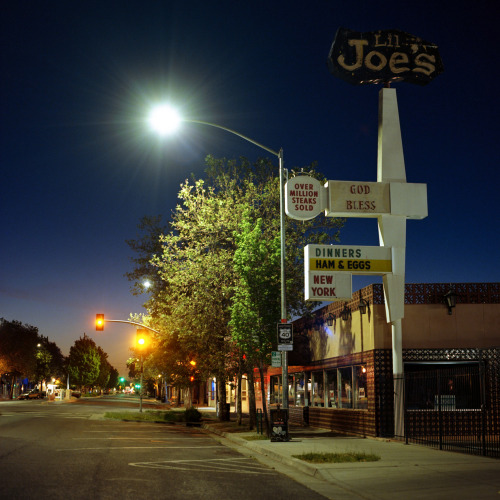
<point x="305" y="197"/>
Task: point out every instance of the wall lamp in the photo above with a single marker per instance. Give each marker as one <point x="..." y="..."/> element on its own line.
<point x="450" y="299"/>
<point x="363" y="305"/>
<point x="345" y="314"/>
<point x="331" y="319"/>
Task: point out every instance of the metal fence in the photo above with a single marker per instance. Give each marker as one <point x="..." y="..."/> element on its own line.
<point x="454" y="408"/>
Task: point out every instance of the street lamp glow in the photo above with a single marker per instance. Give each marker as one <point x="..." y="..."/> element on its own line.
<point x="164" y="119"/>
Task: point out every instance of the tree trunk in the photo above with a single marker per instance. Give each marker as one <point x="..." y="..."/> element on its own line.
<point x="238" y="399"/>
<point x="221" y="396"/>
<point x="252" y="410"/>
<point x="263" y="393"/>
<point x="188" y="397"/>
<point x="165" y="388"/>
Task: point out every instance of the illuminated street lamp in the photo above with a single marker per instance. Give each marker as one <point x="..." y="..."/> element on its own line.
<point x="164" y="120"/>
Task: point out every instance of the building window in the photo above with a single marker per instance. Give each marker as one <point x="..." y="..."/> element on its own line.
<point x="331" y="389"/>
<point x="299" y="389"/>
<point x="291" y="390"/>
<point x="360" y="387"/>
<point x="276" y="394"/>
<point x="243" y="389"/>
<point x="345" y="387"/>
<point x="318" y="392"/>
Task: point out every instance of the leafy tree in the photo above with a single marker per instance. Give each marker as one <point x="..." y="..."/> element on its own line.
<point x="113" y="380"/>
<point x="205" y="292"/>
<point x="49" y="360"/>
<point x="256" y="300"/>
<point x="105" y="368"/>
<point x="145" y="247"/>
<point x="17" y="350"/>
<point x="84" y="362"/>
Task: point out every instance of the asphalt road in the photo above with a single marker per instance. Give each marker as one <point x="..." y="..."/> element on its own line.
<point x="68" y="451"/>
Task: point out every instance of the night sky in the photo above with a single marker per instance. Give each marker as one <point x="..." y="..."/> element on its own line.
<point x="80" y="166"/>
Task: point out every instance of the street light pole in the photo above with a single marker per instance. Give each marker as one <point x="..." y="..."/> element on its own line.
<point x="169" y="115"/>
<point x="140" y="389"/>
<point x="284" y="354"/>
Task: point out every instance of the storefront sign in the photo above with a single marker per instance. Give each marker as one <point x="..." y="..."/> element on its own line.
<point x="304" y="197"/>
<point x="328" y="286"/>
<point x="347" y="199"/>
<point x="371" y="199"/>
<point x="350" y="259"/>
<point x="383" y="56"/>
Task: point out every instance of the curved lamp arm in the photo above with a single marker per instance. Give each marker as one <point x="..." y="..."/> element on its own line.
<point x="230" y="130"/>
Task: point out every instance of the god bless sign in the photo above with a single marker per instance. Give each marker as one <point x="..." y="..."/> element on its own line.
<point x="383" y="56"/>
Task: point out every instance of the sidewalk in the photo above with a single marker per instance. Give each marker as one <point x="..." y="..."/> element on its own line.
<point x="403" y="471"/>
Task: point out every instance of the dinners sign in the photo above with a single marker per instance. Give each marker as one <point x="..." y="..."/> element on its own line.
<point x="383" y="56"/>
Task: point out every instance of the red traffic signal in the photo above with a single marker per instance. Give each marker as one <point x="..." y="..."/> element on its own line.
<point x="99" y="322"/>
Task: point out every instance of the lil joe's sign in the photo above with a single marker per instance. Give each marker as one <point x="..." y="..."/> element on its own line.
<point x="382" y="57"/>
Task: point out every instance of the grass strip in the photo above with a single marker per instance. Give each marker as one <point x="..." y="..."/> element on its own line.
<point x="256" y="437"/>
<point x="147" y="416"/>
<point x="337" y="458"/>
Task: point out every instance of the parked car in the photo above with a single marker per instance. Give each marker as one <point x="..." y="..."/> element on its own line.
<point x="23" y="395"/>
<point x="36" y="394"/>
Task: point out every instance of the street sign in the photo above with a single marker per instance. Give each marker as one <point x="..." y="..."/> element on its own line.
<point x="275" y="359"/>
<point x="285" y="337"/>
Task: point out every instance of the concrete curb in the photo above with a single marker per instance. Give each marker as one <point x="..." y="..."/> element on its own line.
<point x="300" y="465"/>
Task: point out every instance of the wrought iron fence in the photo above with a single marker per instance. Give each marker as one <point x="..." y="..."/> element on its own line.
<point x="455" y="408"/>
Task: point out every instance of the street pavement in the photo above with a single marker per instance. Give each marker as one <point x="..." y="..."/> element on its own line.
<point x="403" y="471"/>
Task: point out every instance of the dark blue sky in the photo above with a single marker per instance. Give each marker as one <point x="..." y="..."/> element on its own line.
<point x="80" y="166"/>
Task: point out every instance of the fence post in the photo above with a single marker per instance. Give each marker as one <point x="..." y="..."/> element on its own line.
<point x="405" y="413"/>
<point x="440" y="418"/>
<point x="482" y="389"/>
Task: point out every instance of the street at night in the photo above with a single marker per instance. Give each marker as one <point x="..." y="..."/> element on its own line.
<point x="54" y="450"/>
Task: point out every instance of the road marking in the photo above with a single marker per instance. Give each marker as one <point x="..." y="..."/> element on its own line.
<point x="35" y="414"/>
<point x="140" y="448"/>
<point x="228" y="465"/>
<point x="167" y="439"/>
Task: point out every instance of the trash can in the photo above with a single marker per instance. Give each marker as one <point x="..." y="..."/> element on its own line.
<point x="279" y="424"/>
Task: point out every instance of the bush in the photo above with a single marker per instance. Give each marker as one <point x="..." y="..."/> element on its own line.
<point x="192" y="415"/>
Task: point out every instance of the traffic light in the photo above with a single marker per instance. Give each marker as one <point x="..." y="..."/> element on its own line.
<point x="193" y="370"/>
<point x="142" y="338"/>
<point x="99" y="322"/>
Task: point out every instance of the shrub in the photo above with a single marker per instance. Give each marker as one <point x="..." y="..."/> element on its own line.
<point x="192" y="415"/>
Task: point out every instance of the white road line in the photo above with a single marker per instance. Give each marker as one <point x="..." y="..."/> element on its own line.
<point x="227" y="465"/>
<point x="112" y="448"/>
<point x="167" y="439"/>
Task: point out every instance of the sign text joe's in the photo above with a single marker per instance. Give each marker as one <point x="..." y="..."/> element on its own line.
<point x="383" y="56"/>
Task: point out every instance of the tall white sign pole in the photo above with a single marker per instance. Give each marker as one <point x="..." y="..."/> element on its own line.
<point x="392" y="233"/>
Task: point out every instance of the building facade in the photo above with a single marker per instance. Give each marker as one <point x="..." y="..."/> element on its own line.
<point x="340" y="371"/>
